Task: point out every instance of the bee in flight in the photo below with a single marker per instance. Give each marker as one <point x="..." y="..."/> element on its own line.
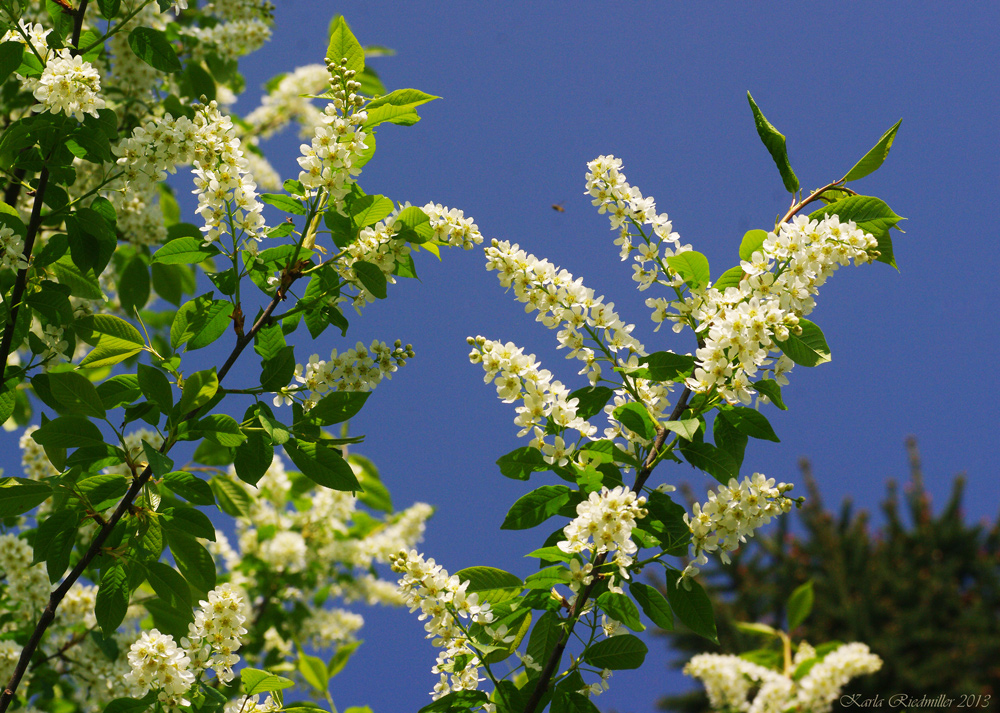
<point x="558" y="208"/>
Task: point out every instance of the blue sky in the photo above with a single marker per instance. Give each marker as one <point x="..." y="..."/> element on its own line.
<point x="530" y="93"/>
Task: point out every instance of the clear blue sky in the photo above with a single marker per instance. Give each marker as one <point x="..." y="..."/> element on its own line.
<point x="533" y="91"/>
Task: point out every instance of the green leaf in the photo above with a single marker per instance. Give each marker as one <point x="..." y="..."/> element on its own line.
<point x="169" y="585"/>
<point x="153" y="48"/>
<point x="397" y="107"/>
<point x="82" y="283"/>
<point x="714" y="461"/>
<point x="19" y="495"/>
<point x="199" y="389"/>
<point x="200" y="322"/>
<point x="772" y="390"/>
<point x="340" y="659"/>
<point x="564" y="701"/>
<point x="636" y="419"/>
<point x="186" y="250"/>
<point x="108" y="330"/>
<point x="221" y="429"/>
<point x="76" y="394"/>
<point x="119" y="390"/>
<point x="753" y="241"/>
<point x="193" y="561"/>
<point x="155" y="387"/>
<point x="375" y="494"/>
<point x="416" y="225"/>
<point x="686" y="429"/>
<point x="269" y="342"/>
<point x="620" y="608"/>
<point x="133" y="287"/>
<point x="190" y="487"/>
<point x="653" y="604"/>
<point x="198" y="82"/>
<point x="186" y="520"/>
<point x="692" y="267"/>
<point x="344" y="45"/>
<point x="800" y="604"/>
<point x="54" y="541"/>
<point x="158" y="463"/>
<point x="371" y="277"/>
<point x="456" y="702"/>
<point x="277" y="371"/>
<point x="10" y="58"/>
<point x="254" y="456"/>
<point x="324" y="466"/>
<point x="103" y="488"/>
<point x="520" y="463"/>
<point x="131" y="705"/>
<point x="691" y="605"/>
<point x="775" y="144"/>
<point x="619" y="652"/>
<point x="68" y="432"/>
<point x="730" y="440"/>
<point x="368" y="210"/>
<point x="750" y="423"/>
<point x="544" y="636"/>
<point x="491" y="584"/>
<point x="870" y="162"/>
<point x="808" y="348"/>
<point x="112" y="599"/>
<point x="547" y="577"/>
<point x="592" y="400"/>
<point x="283" y="203"/>
<point x="233" y="499"/>
<point x="730" y="278"/>
<point x="870" y="215"/>
<point x="313" y="670"/>
<point x="666" y="366"/>
<point x="256" y="681"/>
<point x="109" y="10"/>
<point x="536" y="507"/>
<point x="338" y="406"/>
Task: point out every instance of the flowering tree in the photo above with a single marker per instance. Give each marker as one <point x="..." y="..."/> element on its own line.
<point x="108" y="296"/>
<point x="750" y="329"/>
<point x="105" y="306"/>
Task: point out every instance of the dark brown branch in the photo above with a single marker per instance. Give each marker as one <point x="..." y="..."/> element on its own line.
<point x="21" y="281"/>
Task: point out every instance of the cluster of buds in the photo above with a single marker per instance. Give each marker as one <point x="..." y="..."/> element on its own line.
<point x="344" y="94"/>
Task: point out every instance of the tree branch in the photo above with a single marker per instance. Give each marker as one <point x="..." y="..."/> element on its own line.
<point x="22" y="276"/>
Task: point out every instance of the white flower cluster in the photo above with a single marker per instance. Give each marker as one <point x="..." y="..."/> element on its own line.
<point x="439" y="597"/>
<point x="729" y="680"/>
<point x="732" y="514"/>
<point x="331" y="627"/>
<point x="244" y="28"/>
<point x="290" y="100"/>
<point x="359" y="369"/>
<point x="563" y="303"/>
<point x="158" y="663"/>
<point x="739" y="326"/>
<point x="129" y="74"/>
<point x="518" y="376"/>
<point x="214" y="636"/>
<point x="70" y="86"/>
<point x="32" y="34"/>
<point x="27" y="586"/>
<point x="451" y="227"/>
<point x="331" y="160"/>
<point x="11" y="250"/>
<point x="604" y="522"/>
<point x="227" y="195"/>
<point x="627" y="209"/>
